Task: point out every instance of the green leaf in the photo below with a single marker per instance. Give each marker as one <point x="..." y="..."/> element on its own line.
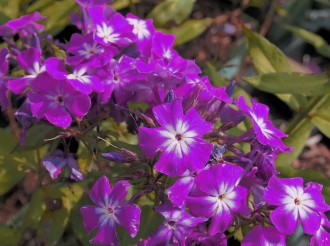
<point x="296" y="139"/>
<point x="12" y="165"/>
<point x="9" y="236"/>
<point x="299" y="129"/>
<point x="317" y="41"/>
<point x="165" y="11"/>
<point x="9" y="8"/>
<point x="267" y="58"/>
<point x="293" y="83"/>
<point x="321" y="119"/>
<point x="36" y="136"/>
<point x="121" y="4"/>
<point x="189" y="30"/>
<point x="57" y="13"/>
<point x="50" y="208"/>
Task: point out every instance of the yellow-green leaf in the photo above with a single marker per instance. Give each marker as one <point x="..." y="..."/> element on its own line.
<point x="321" y="119"/>
<point x="319" y="43"/>
<point x="189" y="30"/>
<point x="293" y="83"/>
<point x="165" y="11"/>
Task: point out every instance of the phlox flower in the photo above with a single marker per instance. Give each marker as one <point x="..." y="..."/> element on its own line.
<point x="266" y="133"/>
<point x="220" y="197"/>
<point x="296" y="204"/>
<point x="174" y="230"/>
<point x="57" y="100"/>
<point x="110" y="209"/>
<point x="260" y="235"/>
<point x="179" y="139"/>
<point x="322" y="235"/>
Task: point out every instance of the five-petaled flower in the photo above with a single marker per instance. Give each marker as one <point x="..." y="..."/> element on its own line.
<point x="295" y="204"/>
<point x="110" y="209"/>
<point x="179" y="138"/>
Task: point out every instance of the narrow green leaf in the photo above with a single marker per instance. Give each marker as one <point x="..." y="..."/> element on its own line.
<point x="121" y="4"/>
<point x="267" y="58"/>
<point x="319" y="43"/>
<point x="189" y="30"/>
<point x="296" y="139"/>
<point x="321" y="119"/>
<point x="293" y="83"/>
<point x="57" y="13"/>
<point x="165" y="11"/>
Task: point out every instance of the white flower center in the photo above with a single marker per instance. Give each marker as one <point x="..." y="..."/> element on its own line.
<point x="106" y="33"/>
<point x="139" y="28"/>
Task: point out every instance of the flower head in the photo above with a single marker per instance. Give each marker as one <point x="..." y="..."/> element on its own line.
<point x="266" y="133"/>
<point x="178" y="224"/>
<point x="295" y="204"/>
<point x="178" y="138"/>
<point x="220" y="196"/>
<point x="110" y="209"/>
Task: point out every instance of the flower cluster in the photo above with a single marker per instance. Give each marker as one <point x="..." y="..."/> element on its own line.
<point x="204" y="183"/>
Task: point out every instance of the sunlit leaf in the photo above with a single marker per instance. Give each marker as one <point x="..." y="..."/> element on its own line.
<point x="57" y="13"/>
<point x="319" y="43"/>
<point x="121" y="4"/>
<point x="165" y="11"/>
<point x="267" y="58"/>
<point x="321" y="119"/>
<point x="293" y="83"/>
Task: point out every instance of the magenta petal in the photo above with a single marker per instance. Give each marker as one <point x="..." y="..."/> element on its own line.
<point x="106" y="235"/>
<point x="118" y="193"/>
<point x="150" y="147"/>
<point x="169" y="114"/>
<point x="277" y="189"/>
<point x="260" y="235"/>
<point x="59" y="117"/>
<point x="28" y="58"/>
<point x="19" y="85"/>
<point x="285" y="220"/>
<point x="179" y="191"/>
<point x="100" y="191"/>
<point x="199" y="125"/>
<point x="310" y="220"/>
<point x="162" y="236"/>
<point x="78" y="105"/>
<point x="81" y="86"/>
<point x="55" y="68"/>
<point x="128" y="216"/>
<point x="199" y="154"/>
<point x="90" y="217"/>
<point x="221" y="220"/>
<point x="202" y="206"/>
<point x="171" y="164"/>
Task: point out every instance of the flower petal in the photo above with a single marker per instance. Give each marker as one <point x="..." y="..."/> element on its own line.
<point x="100" y="190"/>
<point x="90" y="217"/>
<point x="128" y="216"/>
<point x="285" y="219"/>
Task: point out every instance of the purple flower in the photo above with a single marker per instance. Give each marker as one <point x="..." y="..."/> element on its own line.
<point x="178" y="224"/>
<point x="24" y="25"/>
<point x="85" y="50"/>
<point x="29" y="60"/>
<point x="4" y="103"/>
<point x="143" y="31"/>
<point x="110" y="209"/>
<point x="179" y="138"/>
<point x="322" y="235"/>
<point x="220" y="197"/>
<point x="57" y="100"/>
<point x="112" y="31"/>
<point x="57" y="161"/>
<point x="200" y="237"/>
<point x="79" y="78"/>
<point x="266" y="133"/>
<point x="295" y="204"/>
<point x="260" y="235"/>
